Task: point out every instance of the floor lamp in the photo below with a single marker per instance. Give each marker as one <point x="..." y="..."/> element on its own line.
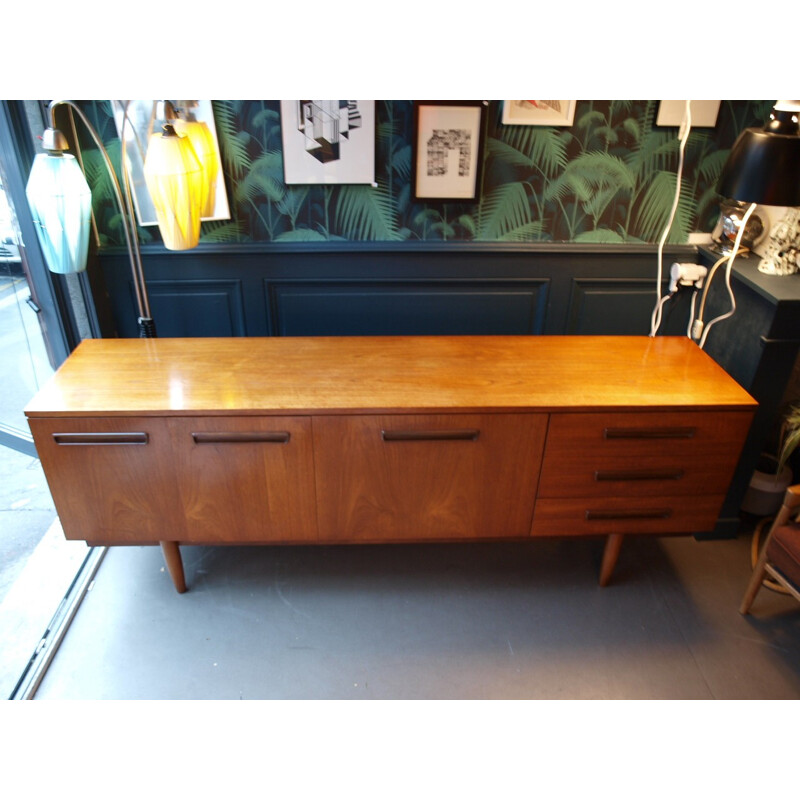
<point x="60" y="201"/>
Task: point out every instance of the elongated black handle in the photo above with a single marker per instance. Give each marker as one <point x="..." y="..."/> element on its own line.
<point x="647" y="513"/>
<point x="638" y="475"/>
<point x="649" y="433"/>
<point x="430" y="436"/>
<point x="137" y="437"/>
<point x="240" y="437"/>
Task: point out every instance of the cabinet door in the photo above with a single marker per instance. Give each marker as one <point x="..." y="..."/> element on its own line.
<point x="245" y="479"/>
<point x="111" y="478"/>
<point x="427" y="477"/>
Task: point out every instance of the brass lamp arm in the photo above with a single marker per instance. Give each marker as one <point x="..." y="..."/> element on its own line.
<point x="125" y="207"/>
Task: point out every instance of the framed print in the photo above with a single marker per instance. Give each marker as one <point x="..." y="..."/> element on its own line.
<point x="142" y="122"/>
<point x="328" y="141"/>
<point x="448" y="149"/>
<point x="538" y="112"/>
<point x="704" y="113"/>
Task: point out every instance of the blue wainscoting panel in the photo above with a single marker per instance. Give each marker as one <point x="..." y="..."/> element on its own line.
<point x="453" y="307"/>
<point x="617" y="307"/>
<point x="197" y="308"/>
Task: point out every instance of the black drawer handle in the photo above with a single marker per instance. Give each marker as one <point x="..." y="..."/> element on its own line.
<point x="650" y="513"/>
<point x="650" y="433"/>
<point x="99" y="438"/>
<point x="242" y="437"/>
<point x="430" y="436"/>
<point x="639" y="475"/>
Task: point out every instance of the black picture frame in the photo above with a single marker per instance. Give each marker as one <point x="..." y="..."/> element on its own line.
<point x="447" y="150"/>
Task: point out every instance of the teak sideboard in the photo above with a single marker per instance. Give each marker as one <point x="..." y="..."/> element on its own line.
<point x="387" y="439"/>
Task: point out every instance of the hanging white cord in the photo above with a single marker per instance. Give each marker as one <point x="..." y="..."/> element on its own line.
<point x="691" y="314"/>
<point x="728" y="266"/>
<point x="655" y="319"/>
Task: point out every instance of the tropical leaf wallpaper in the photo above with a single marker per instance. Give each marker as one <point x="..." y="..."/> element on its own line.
<point x="609" y="178"/>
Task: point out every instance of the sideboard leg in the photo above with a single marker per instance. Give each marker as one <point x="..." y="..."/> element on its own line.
<point x="610" y="554"/>
<point x="172" y="556"/>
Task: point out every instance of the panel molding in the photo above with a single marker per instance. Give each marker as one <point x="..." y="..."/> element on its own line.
<point x="196" y="307"/>
<point x="353" y="307"/>
<point x="610" y="305"/>
<point x="257" y="282"/>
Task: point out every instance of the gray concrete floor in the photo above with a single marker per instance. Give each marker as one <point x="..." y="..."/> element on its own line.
<point x="454" y="621"/>
<point x="26" y="513"/>
<point x="36" y="565"/>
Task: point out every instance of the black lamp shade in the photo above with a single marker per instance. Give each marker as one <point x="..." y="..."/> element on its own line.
<point x="764" y="167"/>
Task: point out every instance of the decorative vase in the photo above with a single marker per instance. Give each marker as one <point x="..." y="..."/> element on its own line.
<point x="766" y="490"/>
<point x="730" y="220"/>
<point x="782" y="254"/>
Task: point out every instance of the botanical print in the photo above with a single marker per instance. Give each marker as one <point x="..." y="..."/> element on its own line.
<point x="609" y="177"/>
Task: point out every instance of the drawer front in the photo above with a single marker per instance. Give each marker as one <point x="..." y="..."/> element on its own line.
<point x="245" y="479"/>
<point x="111" y="478"/>
<point x="641" y="454"/>
<point x="587" y="516"/>
<point x="427" y="477"/>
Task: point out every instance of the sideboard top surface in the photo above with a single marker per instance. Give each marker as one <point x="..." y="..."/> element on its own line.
<point x="287" y="375"/>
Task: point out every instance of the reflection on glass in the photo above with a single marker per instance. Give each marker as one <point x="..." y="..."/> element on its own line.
<point x="142" y="122"/>
<point x="25" y="365"/>
<point x="37" y="565"/>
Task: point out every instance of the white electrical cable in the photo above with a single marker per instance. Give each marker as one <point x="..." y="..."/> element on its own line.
<point x="692" y="313"/>
<point x="696" y="325"/>
<point x="728" y="266"/>
<point x="655" y="319"/>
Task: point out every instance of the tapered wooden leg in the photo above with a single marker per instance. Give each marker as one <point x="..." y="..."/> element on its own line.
<point x="610" y="554"/>
<point x="172" y="556"/>
<point x="791" y="502"/>
<point x="755" y="581"/>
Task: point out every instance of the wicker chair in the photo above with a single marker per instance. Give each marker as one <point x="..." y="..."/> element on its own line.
<point x="780" y="555"/>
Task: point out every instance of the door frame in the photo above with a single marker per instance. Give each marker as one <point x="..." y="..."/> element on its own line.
<point x="48" y="291"/>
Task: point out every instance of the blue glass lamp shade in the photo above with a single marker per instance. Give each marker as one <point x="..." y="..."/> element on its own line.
<point x="61" y="204"/>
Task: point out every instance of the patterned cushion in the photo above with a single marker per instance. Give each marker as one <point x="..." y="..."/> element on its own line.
<point x="783" y="551"/>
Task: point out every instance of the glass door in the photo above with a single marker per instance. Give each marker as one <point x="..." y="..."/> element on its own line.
<point x="37" y="565"/>
<point x="25" y="361"/>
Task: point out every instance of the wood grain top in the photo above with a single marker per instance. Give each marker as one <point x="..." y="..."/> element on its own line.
<point x="405" y="374"/>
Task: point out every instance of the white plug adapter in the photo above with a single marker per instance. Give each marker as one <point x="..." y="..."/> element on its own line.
<point x="686" y="275"/>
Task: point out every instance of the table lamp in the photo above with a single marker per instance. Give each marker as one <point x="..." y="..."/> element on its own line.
<point x="762" y="167"/>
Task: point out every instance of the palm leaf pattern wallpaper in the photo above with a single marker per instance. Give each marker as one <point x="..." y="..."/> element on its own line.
<point x="609" y="178"/>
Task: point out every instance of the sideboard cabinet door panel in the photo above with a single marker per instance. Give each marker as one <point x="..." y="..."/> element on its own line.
<point x="111" y="478"/>
<point x="245" y="479"/>
<point x="427" y="477"/>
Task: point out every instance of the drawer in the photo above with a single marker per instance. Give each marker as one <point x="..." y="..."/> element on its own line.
<point x="427" y="477"/>
<point x="641" y="454"/>
<point x="603" y="515"/>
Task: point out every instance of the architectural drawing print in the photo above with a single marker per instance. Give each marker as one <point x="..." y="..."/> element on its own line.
<point x="328" y="141"/>
<point x="441" y="143"/>
<point x="324" y="124"/>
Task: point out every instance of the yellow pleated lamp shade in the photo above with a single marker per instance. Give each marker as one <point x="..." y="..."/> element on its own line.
<point x="205" y="147"/>
<point x="174" y="180"/>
